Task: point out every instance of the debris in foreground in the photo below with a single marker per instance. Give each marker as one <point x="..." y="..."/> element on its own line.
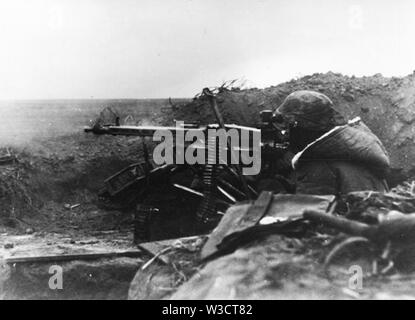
<point x="292" y="265"/>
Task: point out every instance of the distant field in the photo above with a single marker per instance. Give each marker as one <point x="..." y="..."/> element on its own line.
<point x="24" y="120"/>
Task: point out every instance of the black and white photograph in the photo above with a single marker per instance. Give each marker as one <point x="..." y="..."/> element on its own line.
<point x="208" y="155"/>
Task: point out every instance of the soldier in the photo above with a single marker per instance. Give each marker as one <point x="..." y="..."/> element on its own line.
<point x="333" y="156"/>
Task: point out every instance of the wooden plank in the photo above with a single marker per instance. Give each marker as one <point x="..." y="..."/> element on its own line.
<point x="255" y="212"/>
<point x="241" y="217"/>
<point x="71" y="257"/>
<point x="286" y="206"/>
<point x="237" y="218"/>
<point x="232" y="216"/>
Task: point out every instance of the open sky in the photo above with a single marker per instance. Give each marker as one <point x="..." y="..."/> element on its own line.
<point x="53" y="49"/>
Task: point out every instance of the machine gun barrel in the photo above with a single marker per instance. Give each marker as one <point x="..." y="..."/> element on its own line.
<point x="148" y="131"/>
<point x="140" y="131"/>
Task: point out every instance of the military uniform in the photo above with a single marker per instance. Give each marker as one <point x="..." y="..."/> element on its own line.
<point x="333" y="156"/>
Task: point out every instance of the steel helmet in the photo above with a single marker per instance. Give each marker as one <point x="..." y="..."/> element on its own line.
<point x="311" y="110"/>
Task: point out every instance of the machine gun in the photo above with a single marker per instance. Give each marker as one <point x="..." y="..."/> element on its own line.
<point x="216" y="185"/>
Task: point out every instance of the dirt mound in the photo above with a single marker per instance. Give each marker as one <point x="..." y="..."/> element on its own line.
<point x="54" y="186"/>
<point x="47" y="175"/>
<point x="386" y="105"/>
<point x="282" y="267"/>
<point x="15" y="195"/>
<point x="57" y="164"/>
